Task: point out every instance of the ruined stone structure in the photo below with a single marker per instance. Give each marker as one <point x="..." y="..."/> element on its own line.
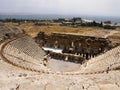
<point x="67" y="57"/>
<point x="22" y="67"/>
<point x="27" y="58"/>
<point x="84" y="46"/>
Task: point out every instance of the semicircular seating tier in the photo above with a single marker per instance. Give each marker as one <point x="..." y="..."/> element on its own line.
<point x="109" y="60"/>
<point x="24" y="52"/>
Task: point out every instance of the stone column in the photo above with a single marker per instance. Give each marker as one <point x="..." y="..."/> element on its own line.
<point x="72" y="44"/>
<point x="66" y="58"/>
<point x="56" y="44"/>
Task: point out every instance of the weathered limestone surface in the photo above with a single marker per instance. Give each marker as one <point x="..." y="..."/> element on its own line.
<point x="23" y="51"/>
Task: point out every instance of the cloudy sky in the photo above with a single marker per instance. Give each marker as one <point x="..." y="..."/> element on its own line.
<point x="65" y="7"/>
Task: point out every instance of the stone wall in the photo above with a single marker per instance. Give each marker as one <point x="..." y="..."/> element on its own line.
<point x="66" y="57"/>
<point x="85" y="46"/>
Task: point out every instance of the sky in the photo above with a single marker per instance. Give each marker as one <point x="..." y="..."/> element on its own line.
<point x="62" y="7"/>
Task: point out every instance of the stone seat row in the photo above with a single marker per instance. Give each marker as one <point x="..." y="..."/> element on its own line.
<point x="29" y="47"/>
<point x="15" y="52"/>
<point x="109" y="60"/>
<point x="24" y="64"/>
<point x="20" y="59"/>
